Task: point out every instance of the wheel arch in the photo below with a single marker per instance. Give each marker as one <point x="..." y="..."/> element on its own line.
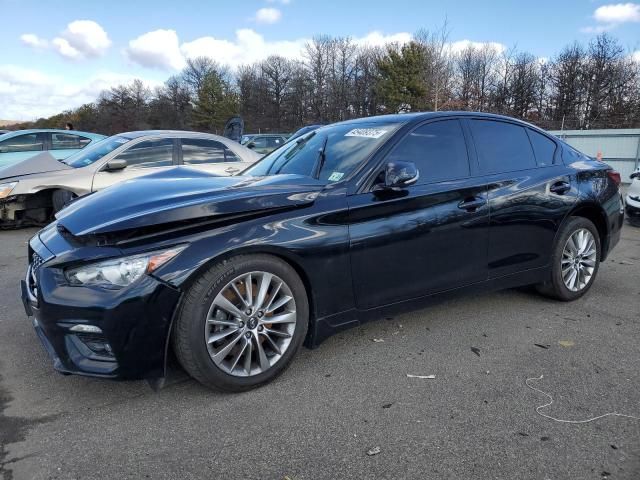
<point x="596" y="214"/>
<point x="282" y="254"/>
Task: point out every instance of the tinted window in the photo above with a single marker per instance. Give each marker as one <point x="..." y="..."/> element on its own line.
<point x="197" y="151"/>
<point x="274" y="142"/>
<point x="31" y="142"/>
<point x="65" y="141"/>
<point x="150" y="153"/>
<point x="437" y="149"/>
<point x="543" y="148"/>
<point x="501" y="147"/>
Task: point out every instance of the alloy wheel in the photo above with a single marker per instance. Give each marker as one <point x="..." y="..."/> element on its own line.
<point x="579" y="260"/>
<point x="250" y="324"/>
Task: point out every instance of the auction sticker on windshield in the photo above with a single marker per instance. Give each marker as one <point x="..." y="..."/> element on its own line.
<point x="366" y="132"/>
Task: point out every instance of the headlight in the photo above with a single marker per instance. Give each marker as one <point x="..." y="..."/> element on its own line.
<point x="120" y="271"/>
<point x="7" y="188"/>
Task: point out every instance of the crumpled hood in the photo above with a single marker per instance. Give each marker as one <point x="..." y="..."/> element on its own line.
<point x="182" y="194"/>
<point x="41" y="163"/>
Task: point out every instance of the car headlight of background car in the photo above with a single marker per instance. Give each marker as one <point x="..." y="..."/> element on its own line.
<point x="6" y="189"/>
<point x="120" y="272"/>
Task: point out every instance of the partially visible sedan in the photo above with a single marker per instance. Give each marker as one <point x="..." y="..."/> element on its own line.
<point x="32" y="190"/>
<point x="632" y="201"/>
<point x="22" y="144"/>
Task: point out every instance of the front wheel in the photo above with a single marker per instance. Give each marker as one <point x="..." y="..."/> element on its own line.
<point x="575" y="260"/>
<point x="241" y="322"/>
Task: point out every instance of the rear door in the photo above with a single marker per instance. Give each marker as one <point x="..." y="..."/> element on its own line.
<point x="529" y="190"/>
<point x="210" y="156"/>
<point x="427" y="238"/>
<point x="143" y="158"/>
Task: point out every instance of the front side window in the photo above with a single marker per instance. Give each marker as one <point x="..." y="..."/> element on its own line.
<point x="95" y="151"/>
<point x="543" y="147"/>
<point x="31" y="142"/>
<point x="66" y="141"/>
<point x="259" y="142"/>
<point x="149" y="154"/>
<point x="329" y="154"/>
<point x="437" y="149"/>
<point x="196" y="151"/>
<point x="274" y="142"/>
<point x="501" y="146"/>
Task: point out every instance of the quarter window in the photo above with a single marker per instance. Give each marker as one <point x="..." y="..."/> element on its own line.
<point x="65" y="141"/>
<point x="501" y="146"/>
<point x="150" y="153"/>
<point x="543" y="148"/>
<point x="31" y="142"/>
<point x="438" y="150"/>
<point x="196" y="151"/>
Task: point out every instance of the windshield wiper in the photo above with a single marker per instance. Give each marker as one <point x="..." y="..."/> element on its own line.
<point x="321" y="159"/>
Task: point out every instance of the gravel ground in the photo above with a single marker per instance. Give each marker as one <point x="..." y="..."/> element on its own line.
<point x="476" y="419"/>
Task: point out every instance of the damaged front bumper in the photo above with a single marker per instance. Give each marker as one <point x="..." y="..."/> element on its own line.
<point x="121" y="333"/>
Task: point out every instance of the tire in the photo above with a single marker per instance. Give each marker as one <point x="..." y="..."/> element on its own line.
<point x="60" y="198"/>
<point x="200" y="319"/>
<point x="560" y="286"/>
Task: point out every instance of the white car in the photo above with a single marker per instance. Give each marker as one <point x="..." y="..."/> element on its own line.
<point x="31" y="190"/>
<point x="632" y="201"/>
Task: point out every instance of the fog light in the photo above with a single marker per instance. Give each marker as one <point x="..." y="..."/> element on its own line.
<point x="86" y="329"/>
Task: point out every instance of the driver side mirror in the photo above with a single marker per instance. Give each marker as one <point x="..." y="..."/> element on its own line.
<point x="399" y="175"/>
<point x="634" y="175"/>
<point x="115" y="165"/>
<point x="251" y="145"/>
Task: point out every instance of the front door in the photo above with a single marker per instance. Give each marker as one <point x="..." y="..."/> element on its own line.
<point x="431" y="236"/>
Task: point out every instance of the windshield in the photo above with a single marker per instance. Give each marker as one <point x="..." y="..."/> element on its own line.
<point x="95" y="152"/>
<point x="329" y="154"/>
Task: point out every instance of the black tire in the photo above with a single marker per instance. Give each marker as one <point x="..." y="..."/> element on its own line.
<point x="556" y="288"/>
<point x="60" y="198"/>
<point x="188" y="331"/>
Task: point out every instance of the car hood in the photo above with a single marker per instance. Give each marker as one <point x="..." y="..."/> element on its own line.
<point x="41" y="163"/>
<point x="183" y="194"/>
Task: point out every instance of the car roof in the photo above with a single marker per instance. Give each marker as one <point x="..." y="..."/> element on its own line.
<point x="265" y="134"/>
<point x="169" y="133"/>
<point x="52" y="130"/>
<point x="416" y="117"/>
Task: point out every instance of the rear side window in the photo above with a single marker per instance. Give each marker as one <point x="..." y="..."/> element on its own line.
<point x="150" y="153"/>
<point x="31" y="142"/>
<point x="501" y="146"/>
<point x="438" y="150"/>
<point x="543" y="148"/>
<point x="197" y="151"/>
<point x="230" y="156"/>
<point x="66" y="141"/>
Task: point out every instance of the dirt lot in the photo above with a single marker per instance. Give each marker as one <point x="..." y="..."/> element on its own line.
<point x="476" y="419"/>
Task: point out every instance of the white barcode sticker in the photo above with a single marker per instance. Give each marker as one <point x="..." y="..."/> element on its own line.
<point x="335" y="176"/>
<point x="366" y="133"/>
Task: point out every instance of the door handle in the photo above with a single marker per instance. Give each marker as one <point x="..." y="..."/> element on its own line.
<point x="231" y="170"/>
<point x="472" y="204"/>
<point x="560" y="188"/>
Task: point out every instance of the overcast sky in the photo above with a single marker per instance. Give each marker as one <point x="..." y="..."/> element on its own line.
<point x="59" y="54"/>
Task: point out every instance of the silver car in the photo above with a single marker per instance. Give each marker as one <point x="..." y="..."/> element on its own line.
<point x="33" y="189"/>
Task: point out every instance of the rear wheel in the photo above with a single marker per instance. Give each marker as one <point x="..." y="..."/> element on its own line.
<point x="241" y="322"/>
<point x="575" y="260"/>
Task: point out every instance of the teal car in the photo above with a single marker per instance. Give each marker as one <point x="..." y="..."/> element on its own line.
<point x="22" y="144"/>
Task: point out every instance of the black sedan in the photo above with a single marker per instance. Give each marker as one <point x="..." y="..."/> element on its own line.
<point x="348" y="223"/>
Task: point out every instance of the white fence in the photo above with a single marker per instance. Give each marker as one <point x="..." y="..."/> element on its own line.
<point x="620" y="148"/>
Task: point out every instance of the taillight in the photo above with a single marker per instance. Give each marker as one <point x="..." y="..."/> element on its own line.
<point x="615" y="176"/>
